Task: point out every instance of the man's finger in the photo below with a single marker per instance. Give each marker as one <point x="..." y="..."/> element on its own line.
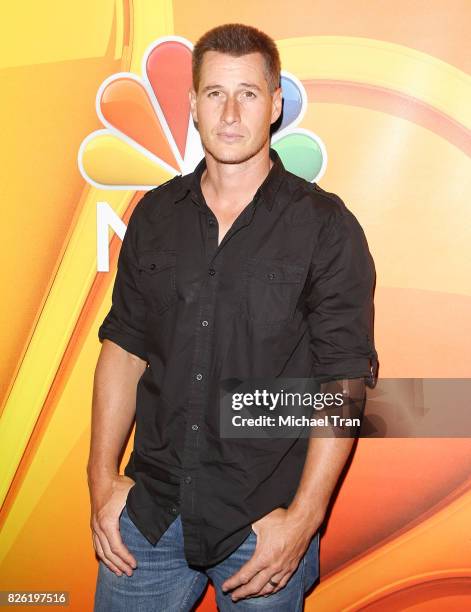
<point x="245" y="573"/>
<point x="280" y="578"/>
<point x="110" y="538"/>
<point x="101" y="555"/>
<point x="118" y="547"/>
<point x="113" y="558"/>
<point x="255" y="586"/>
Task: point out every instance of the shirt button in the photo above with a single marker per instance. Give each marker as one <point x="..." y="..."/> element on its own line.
<point x="199" y="376"/>
<point x="173" y="510"/>
<point x="212" y="271"/>
<point x="211" y="221"/>
<point x="204" y="323"/>
<point x="194" y="427"/>
<point x="187" y="479"/>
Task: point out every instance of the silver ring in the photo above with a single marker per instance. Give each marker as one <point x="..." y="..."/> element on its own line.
<point x="273" y="583"/>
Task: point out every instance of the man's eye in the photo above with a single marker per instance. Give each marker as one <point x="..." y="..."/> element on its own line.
<point x="249" y="94"/>
<point x="214" y="94"/>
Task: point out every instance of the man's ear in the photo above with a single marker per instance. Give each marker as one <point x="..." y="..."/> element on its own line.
<point x="192" y="98"/>
<point x="277" y="104"/>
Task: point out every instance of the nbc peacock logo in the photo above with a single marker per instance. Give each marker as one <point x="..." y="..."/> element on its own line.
<point x="149" y="135"/>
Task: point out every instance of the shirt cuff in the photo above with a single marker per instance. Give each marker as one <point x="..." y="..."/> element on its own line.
<point x="352" y="368"/>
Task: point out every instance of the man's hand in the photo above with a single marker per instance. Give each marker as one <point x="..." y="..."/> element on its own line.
<point x="281" y="543"/>
<point x="109" y="496"/>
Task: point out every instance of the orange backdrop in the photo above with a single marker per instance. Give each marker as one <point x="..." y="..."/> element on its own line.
<point x="389" y="94"/>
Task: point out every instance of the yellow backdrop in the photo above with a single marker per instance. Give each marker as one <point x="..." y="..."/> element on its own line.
<point x="388" y="92"/>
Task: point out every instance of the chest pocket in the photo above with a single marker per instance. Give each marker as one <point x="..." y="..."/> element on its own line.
<point x="272" y="289"/>
<point x="157" y="271"/>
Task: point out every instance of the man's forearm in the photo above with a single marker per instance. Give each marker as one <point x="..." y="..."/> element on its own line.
<point x="113" y="409"/>
<point x="325" y="460"/>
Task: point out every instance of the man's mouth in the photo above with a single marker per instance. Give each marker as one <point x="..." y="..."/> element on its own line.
<point x="229" y="136"/>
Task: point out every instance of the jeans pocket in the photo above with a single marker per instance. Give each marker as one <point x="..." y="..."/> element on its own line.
<point x="311" y="562"/>
<point x="123" y="517"/>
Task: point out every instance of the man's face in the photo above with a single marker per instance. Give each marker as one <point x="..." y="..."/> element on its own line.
<point x="234" y="107"/>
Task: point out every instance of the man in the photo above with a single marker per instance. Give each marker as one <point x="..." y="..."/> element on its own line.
<point x="238" y="270"/>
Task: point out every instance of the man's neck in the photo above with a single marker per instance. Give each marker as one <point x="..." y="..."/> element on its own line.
<point x="231" y="186"/>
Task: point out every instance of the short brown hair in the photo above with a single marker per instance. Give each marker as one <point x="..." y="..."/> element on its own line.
<point x="237" y="39"/>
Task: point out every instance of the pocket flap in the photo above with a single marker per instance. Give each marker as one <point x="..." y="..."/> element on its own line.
<point x="155" y="261"/>
<point x="275" y="270"/>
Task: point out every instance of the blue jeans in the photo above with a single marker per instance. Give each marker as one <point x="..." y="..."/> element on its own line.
<point x="163" y="581"/>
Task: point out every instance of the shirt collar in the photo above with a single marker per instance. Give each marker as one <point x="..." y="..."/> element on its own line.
<point x="266" y="192"/>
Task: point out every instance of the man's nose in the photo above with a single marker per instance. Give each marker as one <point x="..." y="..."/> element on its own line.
<point x="230" y="112"/>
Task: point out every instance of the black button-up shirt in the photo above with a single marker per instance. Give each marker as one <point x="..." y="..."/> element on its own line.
<point x="287" y="293"/>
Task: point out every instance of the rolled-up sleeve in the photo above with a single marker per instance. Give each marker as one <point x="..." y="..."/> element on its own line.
<point x="125" y="322"/>
<point x="340" y="301"/>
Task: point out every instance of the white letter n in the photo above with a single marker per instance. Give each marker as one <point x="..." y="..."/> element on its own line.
<point x="105" y="218"/>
